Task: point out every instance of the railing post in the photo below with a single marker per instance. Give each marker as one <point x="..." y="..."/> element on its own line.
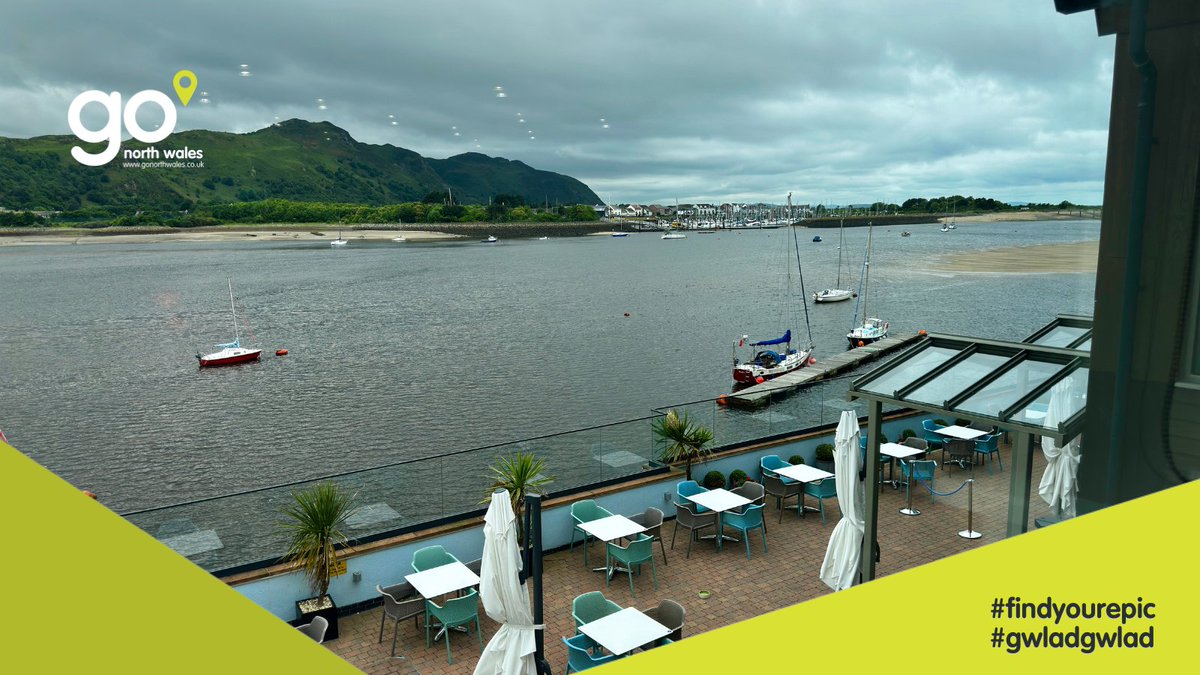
<point x="970" y="533"/>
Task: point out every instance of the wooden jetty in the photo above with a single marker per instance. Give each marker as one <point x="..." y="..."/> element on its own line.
<point x="760" y="394"/>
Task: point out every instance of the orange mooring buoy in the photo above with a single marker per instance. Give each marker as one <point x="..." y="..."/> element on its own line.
<point x="280" y="352"/>
<point x="861" y="343"/>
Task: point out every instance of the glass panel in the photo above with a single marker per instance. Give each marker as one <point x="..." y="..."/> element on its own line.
<point x="1058" y="404"/>
<point x="1085" y="346"/>
<point x="1061" y="336"/>
<point x="1010" y="387"/>
<point x="953" y="381"/>
<point x="911" y="369"/>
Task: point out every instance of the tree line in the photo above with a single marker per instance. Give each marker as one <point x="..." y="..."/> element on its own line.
<point x="434" y="208"/>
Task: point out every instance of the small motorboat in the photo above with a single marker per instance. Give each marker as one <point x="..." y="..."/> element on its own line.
<point x="399" y="239"/>
<point x="543" y="238"/>
<point x="906" y="233"/>
<point x="817" y="239"/>
<point x="490" y="240"/>
<point x="833" y="295"/>
<point x="674" y="235"/>
<point x="620" y="234"/>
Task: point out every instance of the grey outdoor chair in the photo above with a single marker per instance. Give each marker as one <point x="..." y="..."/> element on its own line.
<point x="755" y="492"/>
<point x="652" y="520"/>
<point x="400" y="602"/>
<point x="316" y="629"/>
<point x="691" y="521"/>
<point x="670" y="614"/>
<point x="961" y="453"/>
<point x="781" y="491"/>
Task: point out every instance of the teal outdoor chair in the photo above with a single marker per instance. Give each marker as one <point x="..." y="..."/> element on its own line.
<point x="588" y="607"/>
<point x="822" y="490"/>
<point x="430" y="557"/>
<point x="922" y="470"/>
<point x="988" y="446"/>
<point x="460" y="611"/>
<point x="579" y="654"/>
<point x="770" y="464"/>
<point x="749" y="519"/>
<point x="686" y="489"/>
<point x="585" y="511"/>
<point x="929" y="432"/>
<point x="637" y="552"/>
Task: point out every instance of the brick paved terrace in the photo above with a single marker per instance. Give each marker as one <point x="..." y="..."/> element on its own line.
<point x="740" y="589"/>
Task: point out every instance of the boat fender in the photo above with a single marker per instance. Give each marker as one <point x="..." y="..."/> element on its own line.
<point x="721" y="400"/>
<point x="922" y="332"/>
<point x="281" y="352"/>
<point x="759" y="379"/>
<point x="811" y="360"/>
<point x="861" y="343"/>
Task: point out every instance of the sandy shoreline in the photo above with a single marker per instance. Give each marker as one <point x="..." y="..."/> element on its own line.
<point x="240" y="234"/>
<point x="1019" y="216"/>
<point x="1041" y="258"/>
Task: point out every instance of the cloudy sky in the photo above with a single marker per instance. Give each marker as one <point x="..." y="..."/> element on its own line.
<point x="704" y="100"/>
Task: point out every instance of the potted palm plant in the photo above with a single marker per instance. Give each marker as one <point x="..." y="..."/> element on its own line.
<point x="313" y="521"/>
<point x="521" y="474"/>
<point x="686" y="440"/>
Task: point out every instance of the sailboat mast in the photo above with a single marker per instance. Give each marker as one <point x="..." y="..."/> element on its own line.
<point x="236" y="338"/>
<point x="841" y="243"/>
<point x="803" y="292"/>
<point x="867" y="273"/>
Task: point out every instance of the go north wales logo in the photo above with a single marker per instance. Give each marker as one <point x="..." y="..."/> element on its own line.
<point x="127" y="113"/>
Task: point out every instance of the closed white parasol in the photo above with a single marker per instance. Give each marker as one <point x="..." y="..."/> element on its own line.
<point x="839" y="570"/>
<point x="511" y="649"/>
<point x="1059" y="484"/>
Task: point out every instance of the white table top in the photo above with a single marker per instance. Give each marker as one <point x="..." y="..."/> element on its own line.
<point x="624" y="631"/>
<point x="899" y="451"/>
<point x="611" y="528"/>
<point x="803" y="473"/>
<point x="964" y="433"/>
<point x="438" y="581"/>
<point x="719" y="500"/>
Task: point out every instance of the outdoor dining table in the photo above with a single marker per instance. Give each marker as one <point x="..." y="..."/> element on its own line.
<point x="611" y="528"/>
<point x="961" y="433"/>
<point x="719" y="500"/>
<point x="442" y="580"/>
<point x="805" y="474"/>
<point x="897" y="451"/>
<point x="624" y="631"/>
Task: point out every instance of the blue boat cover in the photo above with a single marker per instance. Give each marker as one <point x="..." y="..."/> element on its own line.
<point x="787" y="337"/>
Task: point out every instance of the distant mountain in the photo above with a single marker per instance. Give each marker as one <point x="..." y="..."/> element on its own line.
<point x="296" y="159"/>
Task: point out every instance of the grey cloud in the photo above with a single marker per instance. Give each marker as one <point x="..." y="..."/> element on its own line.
<point x="704" y="99"/>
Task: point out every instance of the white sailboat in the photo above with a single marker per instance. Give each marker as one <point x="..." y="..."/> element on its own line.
<point x="339" y="241"/>
<point x="872" y="329"/>
<point x="837" y="293"/>
<point x="231" y="352"/>
<point x="767" y="363"/>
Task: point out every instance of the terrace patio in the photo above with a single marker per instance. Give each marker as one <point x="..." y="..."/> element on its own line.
<point x="741" y="589"/>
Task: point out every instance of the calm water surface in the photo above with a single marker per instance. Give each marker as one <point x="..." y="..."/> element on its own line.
<point x="412" y="350"/>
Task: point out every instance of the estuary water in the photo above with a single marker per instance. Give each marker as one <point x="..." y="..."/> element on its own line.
<point x="412" y="350"/>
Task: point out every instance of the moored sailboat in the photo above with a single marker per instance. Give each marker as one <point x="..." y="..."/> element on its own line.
<point x="872" y="329"/>
<point x="231" y="352"/>
<point x="837" y="293"/>
<point x="767" y="362"/>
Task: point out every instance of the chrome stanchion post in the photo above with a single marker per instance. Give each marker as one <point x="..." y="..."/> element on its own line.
<point x="970" y="533"/>
<point x="909" y="510"/>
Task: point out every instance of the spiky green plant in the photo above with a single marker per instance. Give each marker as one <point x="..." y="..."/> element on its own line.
<point x="314" y="521"/>
<point x="686" y="440"/>
<point x="521" y="473"/>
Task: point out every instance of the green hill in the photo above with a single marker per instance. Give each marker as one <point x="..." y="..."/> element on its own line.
<point x="295" y="160"/>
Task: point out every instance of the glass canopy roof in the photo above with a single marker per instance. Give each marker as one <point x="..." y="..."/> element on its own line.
<point x="1038" y="385"/>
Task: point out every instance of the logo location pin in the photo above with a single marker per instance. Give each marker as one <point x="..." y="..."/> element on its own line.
<point x="184" y="92"/>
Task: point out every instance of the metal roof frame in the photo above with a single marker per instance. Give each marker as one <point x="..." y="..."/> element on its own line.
<point x="1017" y="353"/>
